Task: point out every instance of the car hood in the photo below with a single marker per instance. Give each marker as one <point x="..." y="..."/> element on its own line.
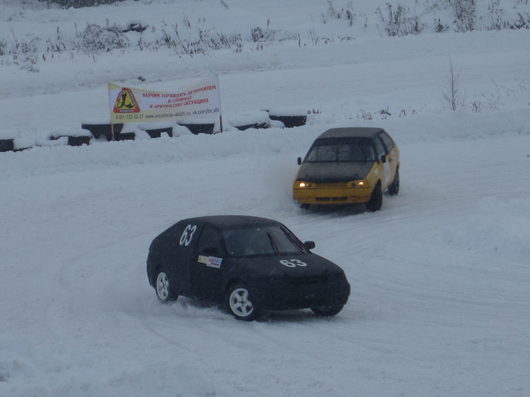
<point x="333" y="171"/>
<point x="285" y="266"/>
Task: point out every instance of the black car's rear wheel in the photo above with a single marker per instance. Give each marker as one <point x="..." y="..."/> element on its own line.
<point x="164" y="288"/>
<point x="376" y="199"/>
<point x="241" y="303"/>
<point x="327" y="310"/>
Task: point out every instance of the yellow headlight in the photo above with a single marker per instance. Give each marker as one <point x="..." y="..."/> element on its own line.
<point x="360" y="184"/>
<point x="303" y="185"/>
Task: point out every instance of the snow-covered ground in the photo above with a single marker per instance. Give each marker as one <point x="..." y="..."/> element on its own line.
<point x="440" y="277"/>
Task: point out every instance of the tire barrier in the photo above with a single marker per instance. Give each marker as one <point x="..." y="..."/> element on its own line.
<point x="199" y="128"/>
<point x="115" y="132"/>
<point x="73" y="140"/>
<point x="283" y="119"/>
<point x="259" y="125"/>
<point x="157" y="132"/>
<point x="79" y="140"/>
<point x="290" y="120"/>
<point x="125" y="136"/>
<point x="7" y="145"/>
<point x="103" y="130"/>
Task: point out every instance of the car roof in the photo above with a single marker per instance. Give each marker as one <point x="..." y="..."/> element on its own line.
<point x="231" y="221"/>
<point x="351" y="132"/>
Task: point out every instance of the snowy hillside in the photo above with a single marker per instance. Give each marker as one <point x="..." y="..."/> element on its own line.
<point x="440" y="297"/>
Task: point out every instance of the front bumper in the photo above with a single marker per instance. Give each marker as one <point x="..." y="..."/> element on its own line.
<point x="301" y="292"/>
<point x="332" y="195"/>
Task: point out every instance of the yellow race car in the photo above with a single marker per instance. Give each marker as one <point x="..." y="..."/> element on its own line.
<point x="348" y="166"/>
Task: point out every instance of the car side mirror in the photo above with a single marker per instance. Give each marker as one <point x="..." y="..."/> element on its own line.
<point x="383" y="158"/>
<point x="309" y="244"/>
<point x="210" y="251"/>
<point x="299" y="160"/>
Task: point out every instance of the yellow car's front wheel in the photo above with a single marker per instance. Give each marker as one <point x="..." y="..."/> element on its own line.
<point x="393" y="189"/>
<point x="376" y="199"/>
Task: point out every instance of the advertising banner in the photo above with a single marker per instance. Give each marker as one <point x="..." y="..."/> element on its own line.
<point x="196" y="102"/>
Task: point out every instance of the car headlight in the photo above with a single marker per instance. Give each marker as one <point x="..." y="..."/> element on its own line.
<point x="302" y="185"/>
<point x="360" y="184"/>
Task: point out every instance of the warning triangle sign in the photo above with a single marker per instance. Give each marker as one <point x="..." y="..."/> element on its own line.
<point x="125" y="102"/>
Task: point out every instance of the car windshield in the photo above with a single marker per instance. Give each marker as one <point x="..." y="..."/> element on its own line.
<point x="341" y="150"/>
<point x="262" y="240"/>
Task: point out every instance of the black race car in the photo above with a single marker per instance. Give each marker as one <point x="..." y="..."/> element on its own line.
<point x="251" y="264"/>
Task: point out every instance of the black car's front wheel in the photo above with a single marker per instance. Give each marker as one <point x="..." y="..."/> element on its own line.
<point x="327" y="310"/>
<point x="164" y="288"/>
<point x="240" y="303"/>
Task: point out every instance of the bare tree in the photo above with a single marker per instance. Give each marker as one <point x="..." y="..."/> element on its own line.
<point x="80" y="3"/>
<point x="465" y="11"/>
<point x="452" y="92"/>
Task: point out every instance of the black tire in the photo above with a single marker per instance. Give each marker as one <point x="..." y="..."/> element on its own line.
<point x="393" y="189"/>
<point x="164" y="287"/>
<point x="304" y="206"/>
<point x="327" y="310"/>
<point x="240" y="303"/>
<point x="376" y="199"/>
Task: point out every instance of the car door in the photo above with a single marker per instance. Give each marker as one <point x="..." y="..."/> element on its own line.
<point x="384" y="166"/>
<point x="207" y="267"/>
<point x="392" y="154"/>
<point x="186" y="238"/>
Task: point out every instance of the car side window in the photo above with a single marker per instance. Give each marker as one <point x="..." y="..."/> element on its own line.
<point x="379" y="147"/>
<point x="210" y="242"/>
<point x="389" y="143"/>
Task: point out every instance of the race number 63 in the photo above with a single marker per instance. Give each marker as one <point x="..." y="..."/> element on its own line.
<point x="187" y="235"/>
<point x="293" y="263"/>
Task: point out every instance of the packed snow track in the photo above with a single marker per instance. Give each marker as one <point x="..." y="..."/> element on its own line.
<point x="439" y="279"/>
